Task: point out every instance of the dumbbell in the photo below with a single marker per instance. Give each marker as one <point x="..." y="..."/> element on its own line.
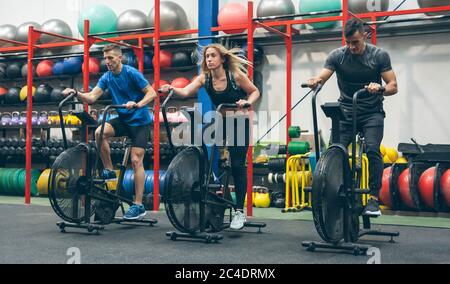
<point x="23" y="118"/>
<point x="43" y="118"/>
<point x="59" y="150"/>
<point x="4" y="150"/>
<point x="2" y="142"/>
<point x="45" y="151"/>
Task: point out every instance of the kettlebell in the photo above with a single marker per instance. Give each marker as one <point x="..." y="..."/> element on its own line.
<point x="34" y="118"/>
<point x="23" y="118"/>
<point x="14" y="118"/>
<point x="6" y="118"/>
<point x="262" y="199"/>
<point x="53" y="118"/>
<point x="43" y="118"/>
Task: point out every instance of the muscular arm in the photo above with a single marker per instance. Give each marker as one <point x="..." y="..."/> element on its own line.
<point x="391" y="83"/>
<point x="150" y="95"/>
<point x="322" y="78"/>
<point x="90" y="97"/>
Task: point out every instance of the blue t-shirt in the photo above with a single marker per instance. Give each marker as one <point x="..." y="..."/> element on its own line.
<point x="124" y="87"/>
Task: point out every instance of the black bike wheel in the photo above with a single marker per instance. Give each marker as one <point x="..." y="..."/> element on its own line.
<point x="328" y="181"/>
<point x="183" y="197"/>
<point x="68" y="184"/>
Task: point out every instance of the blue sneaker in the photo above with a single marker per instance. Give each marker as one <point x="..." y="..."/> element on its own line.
<point x="109" y="175"/>
<point x="135" y="212"/>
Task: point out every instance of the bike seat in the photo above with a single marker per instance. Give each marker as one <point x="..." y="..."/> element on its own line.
<point x="334" y="110"/>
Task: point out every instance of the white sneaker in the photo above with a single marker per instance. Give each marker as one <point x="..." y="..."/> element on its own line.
<point x="238" y="220"/>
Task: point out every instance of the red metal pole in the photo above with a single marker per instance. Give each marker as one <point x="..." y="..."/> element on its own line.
<point x="29" y="129"/>
<point x="250" y="31"/>
<point x="140" y="55"/>
<point x="344" y="19"/>
<point x="374" y="31"/>
<point x="87" y="46"/>
<point x="156" y="114"/>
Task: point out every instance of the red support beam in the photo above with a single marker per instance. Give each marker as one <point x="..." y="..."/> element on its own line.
<point x="32" y="38"/>
<point x="344" y="19"/>
<point x="250" y="44"/>
<point x="156" y="125"/>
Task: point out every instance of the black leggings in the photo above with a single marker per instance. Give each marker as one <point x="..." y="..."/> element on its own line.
<point x="238" y="156"/>
<point x="372" y="127"/>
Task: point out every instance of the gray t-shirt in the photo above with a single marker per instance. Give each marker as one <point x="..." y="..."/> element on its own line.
<point x="355" y="71"/>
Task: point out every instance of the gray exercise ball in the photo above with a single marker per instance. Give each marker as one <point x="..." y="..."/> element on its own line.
<point x="131" y="20"/>
<point x="56" y="26"/>
<point x="434" y="3"/>
<point x="22" y="31"/>
<point x="267" y="8"/>
<point x="173" y="17"/>
<point x="7" y="32"/>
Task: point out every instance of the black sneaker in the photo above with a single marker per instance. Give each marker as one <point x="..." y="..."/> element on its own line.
<point x="372" y="208"/>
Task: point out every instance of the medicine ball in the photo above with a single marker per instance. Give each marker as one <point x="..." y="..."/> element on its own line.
<point x="3" y="67"/>
<point x="182" y="59"/>
<point x="43" y="93"/>
<point x="72" y="65"/>
<point x="25" y="71"/>
<point x="12" y="97"/>
<point x="24" y="93"/>
<point x="3" y="93"/>
<point x="58" y="68"/>
<point x="14" y="70"/>
<point x="44" y="68"/>
<point x="55" y="95"/>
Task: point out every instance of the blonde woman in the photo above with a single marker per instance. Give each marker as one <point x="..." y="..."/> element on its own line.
<point x="225" y="80"/>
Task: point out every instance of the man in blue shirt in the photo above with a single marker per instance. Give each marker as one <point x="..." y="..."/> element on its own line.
<point x="128" y="87"/>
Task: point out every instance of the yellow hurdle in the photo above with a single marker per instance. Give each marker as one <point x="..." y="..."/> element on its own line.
<point x="296" y="179"/>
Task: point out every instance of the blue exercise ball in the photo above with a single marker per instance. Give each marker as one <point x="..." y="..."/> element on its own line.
<point x="58" y="68"/>
<point x="72" y="65"/>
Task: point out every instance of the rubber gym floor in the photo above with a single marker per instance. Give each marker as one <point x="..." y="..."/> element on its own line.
<point x="29" y="235"/>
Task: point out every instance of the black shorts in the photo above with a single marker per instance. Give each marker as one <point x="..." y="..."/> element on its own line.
<point x="139" y="135"/>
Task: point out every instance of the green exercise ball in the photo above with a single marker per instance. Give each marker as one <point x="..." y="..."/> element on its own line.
<point x="307" y="6"/>
<point x="101" y="19"/>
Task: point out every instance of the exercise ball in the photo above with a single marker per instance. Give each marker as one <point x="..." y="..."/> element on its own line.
<point x="56" y="26"/>
<point x="3" y="93"/>
<point x="7" y="32"/>
<point x="14" y="70"/>
<point x="307" y="6"/>
<point x="24" y="93"/>
<point x="434" y="3"/>
<point x="44" y="68"/>
<point x="165" y="59"/>
<point x="232" y="14"/>
<point x="58" y="68"/>
<point x="103" y="67"/>
<point x="22" y="31"/>
<point x="129" y="58"/>
<point x="148" y="60"/>
<point x="426" y="187"/>
<point x="56" y="94"/>
<point x="173" y="17"/>
<point x="130" y="20"/>
<point x="385" y="192"/>
<point x="182" y="59"/>
<point x="382" y="150"/>
<point x="101" y="19"/>
<point x="392" y="154"/>
<point x="360" y="7"/>
<point x="43" y="93"/>
<point x="161" y="83"/>
<point x="180" y="82"/>
<point x="403" y="188"/>
<point x="267" y="8"/>
<point x="445" y="188"/>
<point x="24" y="71"/>
<point x="72" y="65"/>
<point x="12" y="97"/>
<point x="94" y="65"/>
<point x="3" y="67"/>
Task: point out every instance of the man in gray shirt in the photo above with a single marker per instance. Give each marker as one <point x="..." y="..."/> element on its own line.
<point x="361" y="65"/>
